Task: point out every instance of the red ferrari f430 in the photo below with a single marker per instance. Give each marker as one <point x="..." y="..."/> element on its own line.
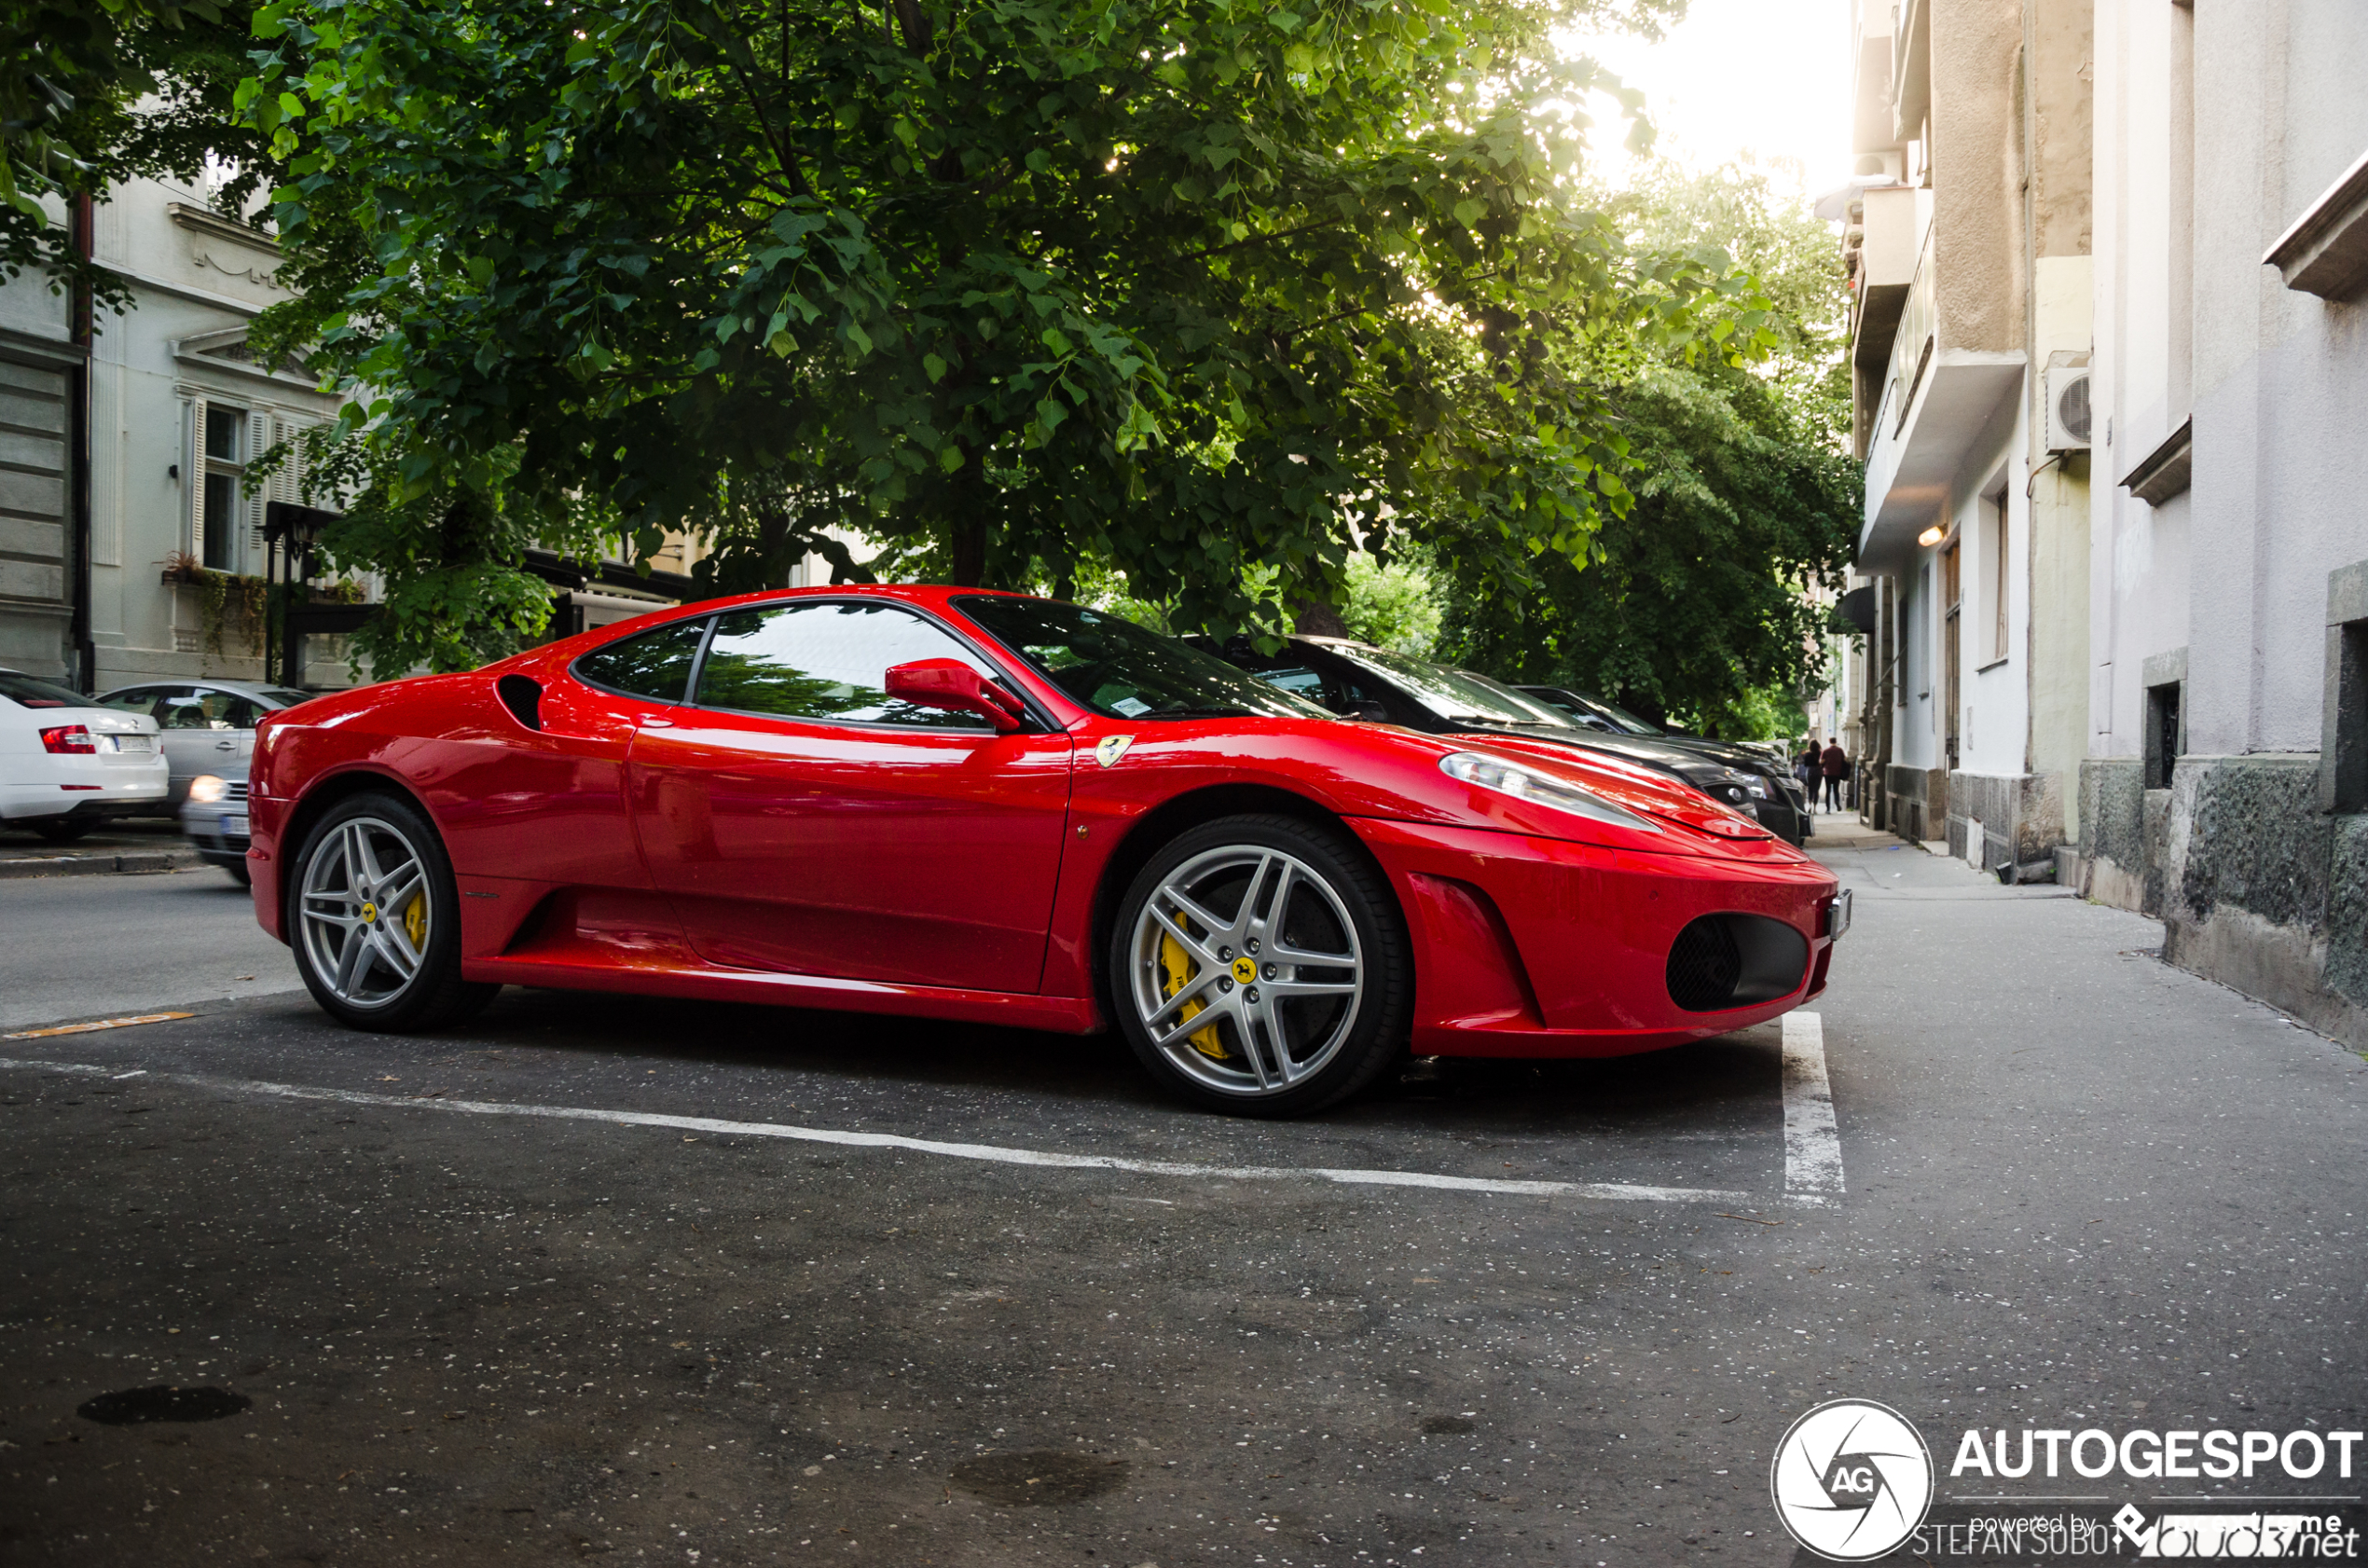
<point x="997" y="808"/>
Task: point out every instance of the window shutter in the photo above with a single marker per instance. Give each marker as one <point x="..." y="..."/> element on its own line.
<point x="193" y="476"/>
<point x="265" y="430"/>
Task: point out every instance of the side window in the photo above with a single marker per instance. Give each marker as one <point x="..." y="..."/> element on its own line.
<point x="182" y="707"/>
<point x="1330" y="688"/>
<point x="826" y="661"/>
<point x="227" y="710"/>
<point x="655" y="665"/>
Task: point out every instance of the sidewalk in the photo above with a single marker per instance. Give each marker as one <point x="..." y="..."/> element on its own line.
<point x="138" y="843"/>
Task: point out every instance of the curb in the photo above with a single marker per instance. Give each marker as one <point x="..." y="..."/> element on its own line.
<point x="146" y="861"/>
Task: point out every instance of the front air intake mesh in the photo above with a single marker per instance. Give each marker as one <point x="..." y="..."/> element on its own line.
<point x="1703" y="966"/>
<point x="1724" y="961"/>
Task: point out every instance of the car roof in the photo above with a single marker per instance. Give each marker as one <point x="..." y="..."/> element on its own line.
<point x="260" y="691"/>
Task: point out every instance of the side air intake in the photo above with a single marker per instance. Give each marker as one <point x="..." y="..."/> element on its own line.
<point x="522" y="697"/>
<point x="1735" y="961"/>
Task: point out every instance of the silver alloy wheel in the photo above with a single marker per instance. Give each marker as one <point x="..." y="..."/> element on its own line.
<point x="360" y="932"/>
<point x="1277" y="982"/>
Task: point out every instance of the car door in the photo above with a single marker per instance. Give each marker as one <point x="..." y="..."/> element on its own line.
<point x="195" y="734"/>
<point x="545" y="802"/>
<point x="804" y="822"/>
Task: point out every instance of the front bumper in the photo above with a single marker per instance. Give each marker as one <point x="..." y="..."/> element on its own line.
<point x="219" y="831"/>
<point x="1528" y="946"/>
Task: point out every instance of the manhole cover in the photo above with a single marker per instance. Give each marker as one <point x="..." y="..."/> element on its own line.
<point x="1448" y="1426"/>
<point x="1040" y="1477"/>
<point x="132" y="1406"/>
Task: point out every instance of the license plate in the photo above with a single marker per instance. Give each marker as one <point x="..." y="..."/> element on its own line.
<point x="144" y="744"/>
<point x="235" y="826"/>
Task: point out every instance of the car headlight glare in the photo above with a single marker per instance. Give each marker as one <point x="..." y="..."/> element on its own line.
<point x="205" y="789"/>
<point x="1512" y="779"/>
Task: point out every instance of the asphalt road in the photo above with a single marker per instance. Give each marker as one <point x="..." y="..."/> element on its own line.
<point x="93" y="946"/>
<point x="596" y="1277"/>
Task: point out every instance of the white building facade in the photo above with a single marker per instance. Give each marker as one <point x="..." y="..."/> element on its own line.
<point x="125" y="525"/>
<point x="2228" y="612"/>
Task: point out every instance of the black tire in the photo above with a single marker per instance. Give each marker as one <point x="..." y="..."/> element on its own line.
<point x="434" y="995"/>
<point x="62" y="829"/>
<point x="1269" y="1050"/>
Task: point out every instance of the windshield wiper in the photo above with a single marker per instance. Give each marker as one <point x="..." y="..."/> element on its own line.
<point x="1203" y="710"/>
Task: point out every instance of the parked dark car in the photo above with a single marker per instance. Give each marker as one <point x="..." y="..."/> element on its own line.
<point x="1768" y="762"/>
<point x="1360" y="680"/>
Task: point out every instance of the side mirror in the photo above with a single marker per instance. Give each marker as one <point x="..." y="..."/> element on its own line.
<point x="950" y="684"/>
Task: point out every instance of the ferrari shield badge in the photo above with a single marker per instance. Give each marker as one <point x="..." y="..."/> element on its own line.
<point x="1111" y="749"/>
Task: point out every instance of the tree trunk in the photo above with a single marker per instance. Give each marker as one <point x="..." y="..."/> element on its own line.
<point x="969" y="551"/>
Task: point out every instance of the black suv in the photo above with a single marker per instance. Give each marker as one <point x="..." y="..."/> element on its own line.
<point x="1357" y="679"/>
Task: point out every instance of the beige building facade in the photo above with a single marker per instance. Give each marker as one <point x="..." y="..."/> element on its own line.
<point x="1968" y="237"/>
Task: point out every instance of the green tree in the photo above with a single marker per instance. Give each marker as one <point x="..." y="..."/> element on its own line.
<point x="1175" y="288"/>
<point x="1690" y="603"/>
<point x="95" y="93"/>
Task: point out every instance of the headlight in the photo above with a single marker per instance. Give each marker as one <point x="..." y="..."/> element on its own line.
<point x="1730" y="785"/>
<point x="205" y="789"/>
<point x="1512" y="779"/>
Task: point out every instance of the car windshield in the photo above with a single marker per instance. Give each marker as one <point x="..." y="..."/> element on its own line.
<point x="24" y="690"/>
<point x="1456" y="696"/>
<point x="1117" y="668"/>
<point x="1623" y="717"/>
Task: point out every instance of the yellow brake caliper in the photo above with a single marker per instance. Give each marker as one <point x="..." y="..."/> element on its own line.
<point x="1177" y="969"/>
<point x="415" y="921"/>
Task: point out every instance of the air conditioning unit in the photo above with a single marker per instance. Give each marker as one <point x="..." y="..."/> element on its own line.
<point x="2067" y="407"/>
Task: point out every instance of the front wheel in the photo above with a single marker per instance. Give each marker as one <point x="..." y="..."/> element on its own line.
<point x="374" y="918"/>
<point x="1258" y="965"/>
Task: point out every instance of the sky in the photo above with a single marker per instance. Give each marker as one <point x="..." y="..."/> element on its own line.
<point x="1764" y="76"/>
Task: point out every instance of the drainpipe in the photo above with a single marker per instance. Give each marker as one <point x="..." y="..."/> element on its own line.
<point x="86" y="653"/>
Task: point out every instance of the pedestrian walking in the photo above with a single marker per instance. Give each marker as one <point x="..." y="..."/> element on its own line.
<point x="1805" y="768"/>
<point x="1836" y="766"/>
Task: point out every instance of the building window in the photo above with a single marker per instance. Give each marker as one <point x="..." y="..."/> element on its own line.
<point x="2162" y="733"/>
<point x="2344" y="751"/>
<point x="1995" y="575"/>
<point x="221" y="463"/>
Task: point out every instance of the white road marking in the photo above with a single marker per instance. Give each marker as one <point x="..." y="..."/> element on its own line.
<point x="1812" y="1144"/>
<point x="991" y="1153"/>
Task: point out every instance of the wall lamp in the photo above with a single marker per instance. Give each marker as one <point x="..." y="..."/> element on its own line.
<point x="1931" y="536"/>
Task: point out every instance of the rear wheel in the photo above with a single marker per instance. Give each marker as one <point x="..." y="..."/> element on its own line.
<point x="1258" y="965"/>
<point x="62" y="829"/>
<point x="374" y="918"/>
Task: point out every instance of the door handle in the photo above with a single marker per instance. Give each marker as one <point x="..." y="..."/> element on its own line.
<point x="657" y="724"/>
<point x="225" y="746"/>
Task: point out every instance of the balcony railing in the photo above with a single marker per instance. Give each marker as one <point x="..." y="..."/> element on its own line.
<point x="1911" y="345"/>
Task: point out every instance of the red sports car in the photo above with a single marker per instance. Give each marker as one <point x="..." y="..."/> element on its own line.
<point x="1005" y="809"/>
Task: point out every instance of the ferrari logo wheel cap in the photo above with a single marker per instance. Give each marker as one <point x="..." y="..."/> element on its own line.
<point x="369" y="912"/>
<point x="1111" y="749"/>
<point x="1245" y="970"/>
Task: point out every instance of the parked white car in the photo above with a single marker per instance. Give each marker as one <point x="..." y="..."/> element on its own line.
<point x="67" y="763"/>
